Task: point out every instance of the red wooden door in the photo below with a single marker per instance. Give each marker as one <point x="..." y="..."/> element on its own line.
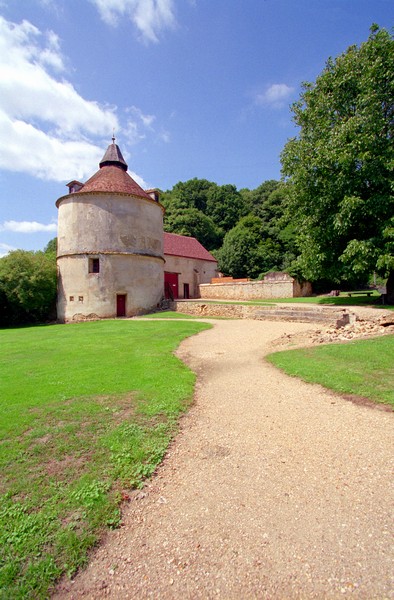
<point x="121" y="305"/>
<point x="171" y="285"/>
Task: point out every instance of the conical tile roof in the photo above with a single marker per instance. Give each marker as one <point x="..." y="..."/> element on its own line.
<point x="113" y="157"/>
<point x="112" y="177"/>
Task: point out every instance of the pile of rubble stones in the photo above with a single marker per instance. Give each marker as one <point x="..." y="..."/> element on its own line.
<point x="360" y="328"/>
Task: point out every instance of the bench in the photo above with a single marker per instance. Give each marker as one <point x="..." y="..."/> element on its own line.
<point x="350" y="294"/>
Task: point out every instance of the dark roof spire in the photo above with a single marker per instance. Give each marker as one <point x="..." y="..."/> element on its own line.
<point x="113" y="157"/>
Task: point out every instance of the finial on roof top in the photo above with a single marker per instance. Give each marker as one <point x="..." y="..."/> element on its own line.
<point x="113" y="135"/>
<point x="113" y="157"/>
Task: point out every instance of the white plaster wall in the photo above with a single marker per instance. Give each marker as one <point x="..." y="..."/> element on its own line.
<point x="191" y="271"/>
<point x="139" y="277"/>
<point x="126" y="234"/>
<point x="109" y="223"/>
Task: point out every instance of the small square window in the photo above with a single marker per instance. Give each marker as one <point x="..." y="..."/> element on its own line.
<point x="80" y="298"/>
<point x="94" y="265"/>
<point x="71" y="298"/>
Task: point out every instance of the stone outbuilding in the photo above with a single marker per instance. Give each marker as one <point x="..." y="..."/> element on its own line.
<point x="187" y="265"/>
<point x="114" y="260"/>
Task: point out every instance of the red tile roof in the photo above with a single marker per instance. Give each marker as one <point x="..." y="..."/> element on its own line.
<point x="182" y="245"/>
<point x="113" y="179"/>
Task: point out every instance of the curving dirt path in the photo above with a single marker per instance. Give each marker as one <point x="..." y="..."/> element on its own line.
<point x="274" y="489"/>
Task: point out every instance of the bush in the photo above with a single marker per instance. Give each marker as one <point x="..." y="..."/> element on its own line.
<point x="27" y="287"/>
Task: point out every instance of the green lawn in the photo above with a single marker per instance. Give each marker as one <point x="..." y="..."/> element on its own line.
<point x="169" y="314"/>
<point x="362" y="368"/>
<point x="87" y="411"/>
<point x="342" y="300"/>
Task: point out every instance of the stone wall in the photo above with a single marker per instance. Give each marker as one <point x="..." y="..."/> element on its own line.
<point x="329" y="315"/>
<point x="256" y="290"/>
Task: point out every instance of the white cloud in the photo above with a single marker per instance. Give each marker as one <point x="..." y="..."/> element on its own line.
<point x="47" y="129"/>
<point x="44" y="123"/>
<point x="165" y="136"/>
<point x="5" y="249"/>
<point x="141" y="182"/>
<point x="25" y="148"/>
<point x="27" y="226"/>
<point x="141" y="122"/>
<point x="275" y="95"/>
<point x="149" y="16"/>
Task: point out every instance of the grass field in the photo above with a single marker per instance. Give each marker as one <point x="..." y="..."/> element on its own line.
<point x="362" y="368"/>
<point x="342" y="300"/>
<point x="169" y="314"/>
<point x="87" y="411"/>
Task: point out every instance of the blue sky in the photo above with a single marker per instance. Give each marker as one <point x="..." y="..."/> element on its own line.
<point x="192" y="88"/>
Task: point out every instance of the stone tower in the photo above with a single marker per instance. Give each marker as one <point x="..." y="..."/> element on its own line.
<point x="110" y="245"/>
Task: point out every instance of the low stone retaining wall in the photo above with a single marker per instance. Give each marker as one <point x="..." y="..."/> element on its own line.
<point x="256" y="290"/>
<point x="313" y="314"/>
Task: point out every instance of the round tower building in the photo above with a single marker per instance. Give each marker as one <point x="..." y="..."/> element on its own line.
<point x="110" y="245"/>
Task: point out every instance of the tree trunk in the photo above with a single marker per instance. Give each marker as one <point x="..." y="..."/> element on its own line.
<point x="390" y="288"/>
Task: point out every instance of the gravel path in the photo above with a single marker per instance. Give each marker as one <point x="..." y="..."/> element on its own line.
<point x="274" y="489"/>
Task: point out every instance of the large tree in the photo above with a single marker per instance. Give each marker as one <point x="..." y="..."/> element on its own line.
<point x="340" y="167"/>
<point x="245" y="253"/>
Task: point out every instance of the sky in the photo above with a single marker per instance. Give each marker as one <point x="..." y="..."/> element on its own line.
<point x="189" y="88"/>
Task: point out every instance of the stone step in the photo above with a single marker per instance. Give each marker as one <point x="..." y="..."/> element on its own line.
<point x="312" y="314"/>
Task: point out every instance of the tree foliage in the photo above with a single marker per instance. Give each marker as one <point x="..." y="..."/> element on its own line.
<point x="226" y="206"/>
<point x="193" y="222"/>
<point x="51" y="247"/>
<point x="239" y="255"/>
<point x="192" y="193"/>
<point x="215" y="215"/>
<point x="202" y="209"/>
<point x="340" y="167"/>
<point x="27" y="287"/>
<point x="246" y="253"/>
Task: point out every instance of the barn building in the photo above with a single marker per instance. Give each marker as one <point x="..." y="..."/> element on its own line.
<point x="111" y="256"/>
<point x="187" y="264"/>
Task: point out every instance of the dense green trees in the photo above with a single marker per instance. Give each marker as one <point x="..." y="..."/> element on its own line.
<point x="245" y="251"/>
<point x="247" y="230"/>
<point x="186" y="212"/>
<point x="27" y="286"/>
<point x="203" y="209"/>
<point x="340" y="167"/>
